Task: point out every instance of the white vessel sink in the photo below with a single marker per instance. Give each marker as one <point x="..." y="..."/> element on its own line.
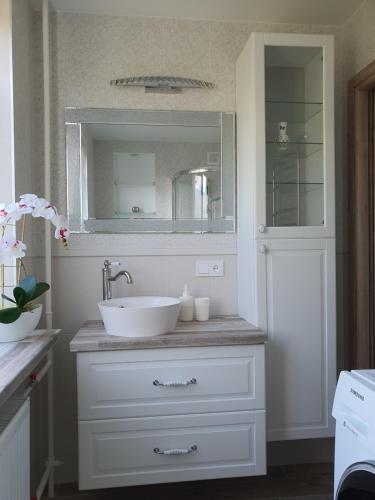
<point x="140" y="316"/>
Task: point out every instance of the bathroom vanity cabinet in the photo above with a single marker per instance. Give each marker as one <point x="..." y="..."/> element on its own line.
<point x="286" y="223"/>
<point x="178" y="407"/>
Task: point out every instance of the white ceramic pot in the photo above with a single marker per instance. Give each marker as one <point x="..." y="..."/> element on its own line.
<point x="22" y="327"/>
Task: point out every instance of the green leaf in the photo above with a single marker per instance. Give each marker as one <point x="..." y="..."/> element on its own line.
<point x="21" y="296"/>
<point x="5" y="297"/>
<point x="40" y="288"/>
<point x="9" y="315"/>
<point x="28" y="284"/>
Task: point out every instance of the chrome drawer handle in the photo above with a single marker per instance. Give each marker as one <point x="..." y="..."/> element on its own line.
<point x="175" y="383"/>
<point x="177" y="451"/>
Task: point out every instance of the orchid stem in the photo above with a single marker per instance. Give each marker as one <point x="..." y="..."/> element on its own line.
<point x="2" y="272"/>
<point x="22" y="264"/>
<point x="20" y="261"/>
<point x="2" y="283"/>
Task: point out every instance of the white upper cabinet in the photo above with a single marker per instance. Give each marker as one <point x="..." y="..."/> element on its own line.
<point x="293" y="134"/>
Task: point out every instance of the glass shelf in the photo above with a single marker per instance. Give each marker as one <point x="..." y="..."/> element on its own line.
<point x="296" y="183"/>
<point x="281" y="101"/>
<point x="276" y="150"/>
<point x="280" y="188"/>
<point x="291" y="111"/>
<point x="301" y="143"/>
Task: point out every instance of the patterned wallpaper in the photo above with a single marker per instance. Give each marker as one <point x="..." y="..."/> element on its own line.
<point x="357" y="37"/>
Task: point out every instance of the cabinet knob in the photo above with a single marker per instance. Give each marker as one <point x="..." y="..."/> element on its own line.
<point x="261" y="228"/>
<point x="262" y="249"/>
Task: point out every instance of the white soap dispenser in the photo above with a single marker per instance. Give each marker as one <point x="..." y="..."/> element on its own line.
<point x="187" y="306"/>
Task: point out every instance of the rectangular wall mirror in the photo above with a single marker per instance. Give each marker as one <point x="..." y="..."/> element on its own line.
<point x="150" y="171"/>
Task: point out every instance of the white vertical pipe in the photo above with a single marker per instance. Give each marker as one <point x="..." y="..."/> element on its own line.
<point x="48" y="267"/>
<point x="47" y="155"/>
<point x="51" y="442"/>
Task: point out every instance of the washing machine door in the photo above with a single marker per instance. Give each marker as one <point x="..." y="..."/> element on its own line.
<point x="357" y="482"/>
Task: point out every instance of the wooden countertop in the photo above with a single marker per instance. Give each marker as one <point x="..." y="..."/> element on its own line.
<point x="18" y="359"/>
<point x="218" y="331"/>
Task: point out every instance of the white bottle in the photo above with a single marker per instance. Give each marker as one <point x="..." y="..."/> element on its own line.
<point x="187" y="306"/>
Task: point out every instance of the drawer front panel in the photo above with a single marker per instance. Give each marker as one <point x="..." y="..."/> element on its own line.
<point x="166" y="449"/>
<point x="116" y="385"/>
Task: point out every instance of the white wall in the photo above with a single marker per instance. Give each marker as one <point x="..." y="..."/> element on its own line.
<point x="6" y="103"/>
<point x="7" y="166"/>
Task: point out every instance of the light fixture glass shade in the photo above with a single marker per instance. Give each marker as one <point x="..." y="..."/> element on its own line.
<point x="162" y="83"/>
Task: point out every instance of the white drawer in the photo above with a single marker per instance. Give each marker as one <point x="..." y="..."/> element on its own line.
<point x="141" y="383"/>
<point x="126" y="452"/>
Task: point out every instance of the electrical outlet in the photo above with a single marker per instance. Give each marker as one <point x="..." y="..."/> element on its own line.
<point x="209" y="268"/>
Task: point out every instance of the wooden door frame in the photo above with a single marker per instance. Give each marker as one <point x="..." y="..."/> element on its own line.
<point x="361" y="221"/>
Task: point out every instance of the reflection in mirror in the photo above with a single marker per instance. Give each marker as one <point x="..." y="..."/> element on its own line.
<point x="196" y="194"/>
<point x="150" y="171"/>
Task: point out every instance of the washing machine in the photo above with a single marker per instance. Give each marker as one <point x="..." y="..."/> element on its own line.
<point x="354" y="411"/>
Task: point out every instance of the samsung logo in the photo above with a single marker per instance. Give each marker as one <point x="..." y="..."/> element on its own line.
<point x="357" y="394"/>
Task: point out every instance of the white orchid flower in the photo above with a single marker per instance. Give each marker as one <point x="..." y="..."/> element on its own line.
<point x="14" y="211"/>
<point x="62" y="232"/>
<point x="4" y="215"/>
<point x="10" y="247"/>
<point x="24" y="209"/>
<point x="27" y="203"/>
<point x="43" y="208"/>
<point x="28" y="199"/>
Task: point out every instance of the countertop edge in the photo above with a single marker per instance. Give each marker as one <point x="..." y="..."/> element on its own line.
<point x="225" y="343"/>
<point x="13" y="384"/>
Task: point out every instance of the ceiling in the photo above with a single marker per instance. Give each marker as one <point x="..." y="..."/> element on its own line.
<point x="329" y="12"/>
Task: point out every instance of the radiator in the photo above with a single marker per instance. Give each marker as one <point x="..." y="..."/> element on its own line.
<point x="15" y="450"/>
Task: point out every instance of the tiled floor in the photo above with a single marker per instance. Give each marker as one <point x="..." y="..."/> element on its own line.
<point x="300" y="482"/>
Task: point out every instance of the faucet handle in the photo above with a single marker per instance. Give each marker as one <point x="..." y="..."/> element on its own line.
<point x="108" y="263"/>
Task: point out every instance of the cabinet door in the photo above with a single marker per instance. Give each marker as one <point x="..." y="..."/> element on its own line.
<point x="296" y="283"/>
<point x="295" y="137"/>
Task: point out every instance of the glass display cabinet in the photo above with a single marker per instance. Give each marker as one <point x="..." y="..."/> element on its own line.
<point x="294" y="136"/>
<point x="296" y="156"/>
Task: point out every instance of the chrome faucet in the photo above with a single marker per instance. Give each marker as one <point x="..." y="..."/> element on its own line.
<point x="108" y="279"/>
